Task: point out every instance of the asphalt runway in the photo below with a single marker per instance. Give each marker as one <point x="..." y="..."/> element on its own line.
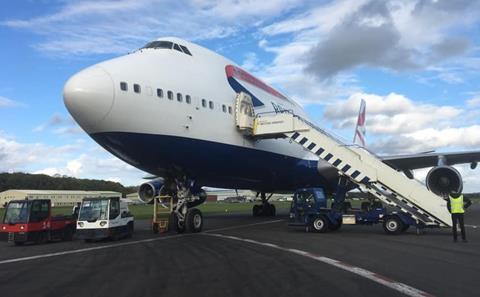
<point x="245" y="256"/>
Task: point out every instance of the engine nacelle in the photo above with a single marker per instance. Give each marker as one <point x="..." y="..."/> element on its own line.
<point x="442" y="180"/>
<point x="149" y="190"/>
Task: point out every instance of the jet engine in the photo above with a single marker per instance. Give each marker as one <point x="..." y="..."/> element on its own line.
<point x="149" y="190"/>
<point x="442" y="180"/>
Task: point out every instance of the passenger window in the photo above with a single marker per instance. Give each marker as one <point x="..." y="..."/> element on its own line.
<point x="175" y="46"/>
<point x="204" y="103"/>
<point x="230" y="110"/>
<point x="188" y="99"/>
<point x="123" y="86"/>
<point x="170" y="95"/>
<point x="179" y="97"/>
<point x="224" y="108"/>
<point x="136" y="88"/>
<point x="210" y="104"/>
<point x="160" y="93"/>
<point x="185" y="50"/>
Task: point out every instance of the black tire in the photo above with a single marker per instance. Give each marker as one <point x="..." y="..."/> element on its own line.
<point x="393" y="225"/>
<point x="405" y="227"/>
<point x="194" y="220"/>
<point x="130" y="229"/>
<point x="68" y="234"/>
<point x="320" y="224"/>
<point x="273" y="210"/>
<point x="256" y="210"/>
<point x="335" y="227"/>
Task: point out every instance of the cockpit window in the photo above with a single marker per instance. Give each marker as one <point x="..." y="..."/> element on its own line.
<point x="159" y="44"/>
<point x="168" y="45"/>
<point x="185" y="50"/>
<point x="175" y="46"/>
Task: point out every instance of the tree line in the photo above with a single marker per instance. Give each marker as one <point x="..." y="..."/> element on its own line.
<point x="27" y="181"/>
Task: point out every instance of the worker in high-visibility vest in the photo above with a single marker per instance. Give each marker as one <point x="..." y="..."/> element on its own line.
<point x="456" y="205"/>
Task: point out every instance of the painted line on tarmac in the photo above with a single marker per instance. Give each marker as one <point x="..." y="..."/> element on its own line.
<point x="378" y="278"/>
<point x="103" y="247"/>
<point x="472" y="226"/>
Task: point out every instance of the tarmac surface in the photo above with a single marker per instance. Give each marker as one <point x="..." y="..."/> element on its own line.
<point x="238" y="255"/>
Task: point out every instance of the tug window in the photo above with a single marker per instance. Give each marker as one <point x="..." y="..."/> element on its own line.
<point x="170" y="95"/>
<point x="123" y="86"/>
<point x="160" y="93"/>
<point x="136" y="88"/>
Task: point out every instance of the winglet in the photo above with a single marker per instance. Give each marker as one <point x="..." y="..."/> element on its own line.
<point x="360" y="130"/>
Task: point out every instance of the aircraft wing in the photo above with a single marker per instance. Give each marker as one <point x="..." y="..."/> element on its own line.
<point x="429" y="159"/>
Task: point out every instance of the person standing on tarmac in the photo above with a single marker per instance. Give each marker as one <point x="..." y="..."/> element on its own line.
<point x="456" y="205"/>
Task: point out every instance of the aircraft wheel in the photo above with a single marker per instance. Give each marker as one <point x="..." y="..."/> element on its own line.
<point x="320" y="224"/>
<point x="194" y="220"/>
<point x="273" y="211"/>
<point x="393" y="225"/>
<point x="256" y="210"/>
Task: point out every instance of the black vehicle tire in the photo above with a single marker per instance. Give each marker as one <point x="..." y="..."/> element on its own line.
<point x="68" y="234"/>
<point x="393" y="225"/>
<point x="194" y="220"/>
<point x="320" y="224"/>
<point x="256" y="210"/>
<point x="405" y="227"/>
<point x="335" y="227"/>
<point x="130" y="228"/>
<point x="273" y="210"/>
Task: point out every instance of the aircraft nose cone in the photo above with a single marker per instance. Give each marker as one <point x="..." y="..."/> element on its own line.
<point x="89" y="96"/>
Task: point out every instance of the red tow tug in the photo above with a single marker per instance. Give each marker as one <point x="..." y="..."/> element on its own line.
<point x="32" y="221"/>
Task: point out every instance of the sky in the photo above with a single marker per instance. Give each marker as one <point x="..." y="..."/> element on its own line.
<point x="415" y="63"/>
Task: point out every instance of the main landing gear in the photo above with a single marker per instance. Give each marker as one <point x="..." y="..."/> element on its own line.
<point x="184" y="216"/>
<point x="265" y="209"/>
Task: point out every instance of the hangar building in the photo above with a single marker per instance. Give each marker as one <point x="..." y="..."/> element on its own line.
<point x="58" y="197"/>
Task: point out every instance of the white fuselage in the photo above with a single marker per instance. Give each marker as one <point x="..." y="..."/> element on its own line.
<point x="135" y="123"/>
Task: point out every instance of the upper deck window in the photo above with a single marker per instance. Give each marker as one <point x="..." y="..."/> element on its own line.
<point x="170" y="95"/>
<point x="179" y="97"/>
<point x="188" y="99"/>
<point x="210" y="104"/>
<point x="123" y="86"/>
<point x="204" y="103"/>
<point x="160" y="93"/>
<point x="159" y="44"/>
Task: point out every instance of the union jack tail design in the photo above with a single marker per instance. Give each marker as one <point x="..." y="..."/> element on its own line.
<point x="360" y="130"/>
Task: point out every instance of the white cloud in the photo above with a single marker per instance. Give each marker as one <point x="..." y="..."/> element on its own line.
<point x="474" y="102"/>
<point x="70" y="160"/>
<point x="7" y="102"/>
<point x="98" y="27"/>
<point x="390" y="114"/>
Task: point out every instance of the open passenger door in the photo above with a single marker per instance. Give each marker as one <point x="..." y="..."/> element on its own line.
<point x="244" y="113"/>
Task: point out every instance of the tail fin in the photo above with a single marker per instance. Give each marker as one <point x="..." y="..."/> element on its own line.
<point x="360" y="130"/>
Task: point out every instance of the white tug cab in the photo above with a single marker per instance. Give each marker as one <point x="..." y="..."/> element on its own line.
<point x="104" y="217"/>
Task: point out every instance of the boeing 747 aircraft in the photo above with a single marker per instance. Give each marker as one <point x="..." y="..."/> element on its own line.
<point x="169" y="109"/>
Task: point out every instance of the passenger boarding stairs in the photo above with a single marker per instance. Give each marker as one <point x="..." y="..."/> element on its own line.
<point x="362" y="167"/>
